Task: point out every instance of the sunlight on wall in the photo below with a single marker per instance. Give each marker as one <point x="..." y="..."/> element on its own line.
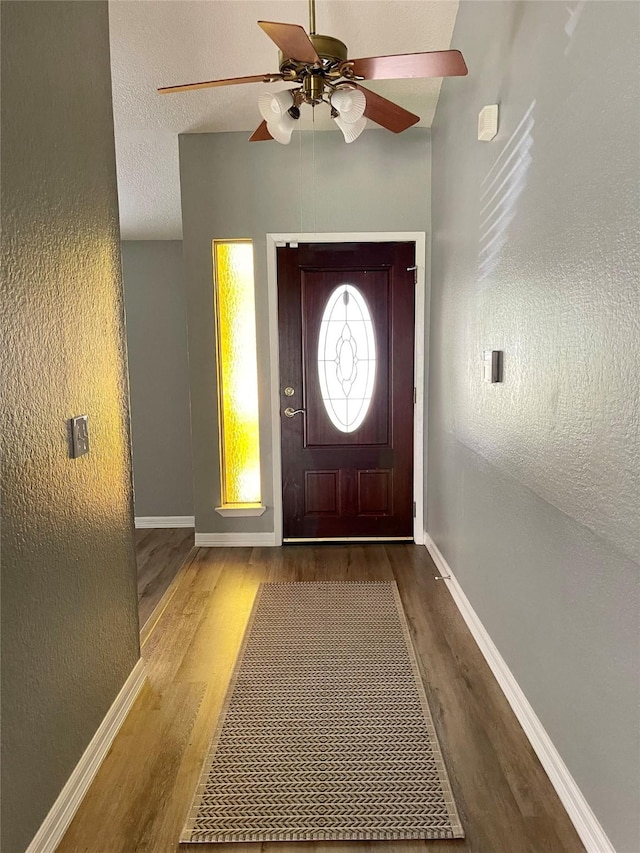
<point x="501" y="190"/>
<point x="237" y="371"/>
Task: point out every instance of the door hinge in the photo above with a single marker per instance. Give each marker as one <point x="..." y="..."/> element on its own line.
<point x="415" y="395"/>
<point x="414" y="509"/>
<point x="414" y="269"/>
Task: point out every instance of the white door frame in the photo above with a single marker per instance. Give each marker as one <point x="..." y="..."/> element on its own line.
<point x="420" y="356"/>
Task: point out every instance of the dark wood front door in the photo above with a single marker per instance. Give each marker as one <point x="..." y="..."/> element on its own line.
<point x="346" y="328"/>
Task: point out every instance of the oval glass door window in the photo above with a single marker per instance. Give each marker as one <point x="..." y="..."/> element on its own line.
<point x="346" y="358"/>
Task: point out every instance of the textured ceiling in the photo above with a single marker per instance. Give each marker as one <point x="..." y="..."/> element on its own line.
<point x="167" y="42"/>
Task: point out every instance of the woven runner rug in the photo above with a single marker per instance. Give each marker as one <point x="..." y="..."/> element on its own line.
<point x="325" y="733"/>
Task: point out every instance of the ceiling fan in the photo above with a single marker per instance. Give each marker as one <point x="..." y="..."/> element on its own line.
<point x="319" y="66"/>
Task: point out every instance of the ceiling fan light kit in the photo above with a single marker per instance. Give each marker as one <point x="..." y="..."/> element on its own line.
<point x="351" y="130"/>
<point x="320" y="67"/>
<point x="349" y="103"/>
<point x="280" y="113"/>
<point x="347" y="110"/>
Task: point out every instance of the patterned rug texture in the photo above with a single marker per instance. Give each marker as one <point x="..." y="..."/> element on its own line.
<point x="325" y="733"/>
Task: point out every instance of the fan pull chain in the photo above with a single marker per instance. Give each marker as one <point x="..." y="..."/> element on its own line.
<point x="313" y="169"/>
<point x="301" y="193"/>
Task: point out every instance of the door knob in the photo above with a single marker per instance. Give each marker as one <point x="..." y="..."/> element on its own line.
<point x="289" y="412"/>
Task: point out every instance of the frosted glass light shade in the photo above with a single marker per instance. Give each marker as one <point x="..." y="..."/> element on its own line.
<point x="351" y="130"/>
<point x="282" y="130"/>
<point x="274" y="108"/>
<point x="350" y="103"/>
<point x="273" y="105"/>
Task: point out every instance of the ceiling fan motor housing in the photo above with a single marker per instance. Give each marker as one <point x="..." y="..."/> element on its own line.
<point x="332" y="53"/>
<point x="331" y="50"/>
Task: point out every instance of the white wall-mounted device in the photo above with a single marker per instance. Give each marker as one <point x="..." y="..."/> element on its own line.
<point x="488" y="123"/>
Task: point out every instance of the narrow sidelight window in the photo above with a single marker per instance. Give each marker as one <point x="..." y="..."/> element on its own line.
<point x="237" y="372"/>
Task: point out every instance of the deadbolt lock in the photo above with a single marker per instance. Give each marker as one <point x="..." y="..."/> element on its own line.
<point x="289" y="391"/>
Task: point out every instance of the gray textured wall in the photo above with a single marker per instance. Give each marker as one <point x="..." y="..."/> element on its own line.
<point x="231" y="188"/>
<point x="69" y="610"/>
<point x="158" y="377"/>
<point x="534" y="484"/>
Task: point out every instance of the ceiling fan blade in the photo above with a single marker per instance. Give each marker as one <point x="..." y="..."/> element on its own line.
<point x="260" y="134"/>
<point x="230" y="81"/>
<point x="292" y="41"/>
<point x="386" y="113"/>
<point x="434" y="63"/>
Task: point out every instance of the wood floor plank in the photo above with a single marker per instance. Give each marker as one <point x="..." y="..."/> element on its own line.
<point x="141" y="794"/>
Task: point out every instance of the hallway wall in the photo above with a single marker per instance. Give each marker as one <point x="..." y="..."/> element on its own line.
<point x="534" y="484"/>
<point x="231" y="189"/>
<point x="158" y="377"/>
<point x="69" y="606"/>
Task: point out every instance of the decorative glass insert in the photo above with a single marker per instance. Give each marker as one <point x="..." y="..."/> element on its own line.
<point x="346" y="358"/>
<point x="237" y="372"/>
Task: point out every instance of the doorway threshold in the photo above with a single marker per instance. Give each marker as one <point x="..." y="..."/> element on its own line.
<point x="303" y="540"/>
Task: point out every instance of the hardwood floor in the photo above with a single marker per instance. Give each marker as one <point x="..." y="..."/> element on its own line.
<point x="141" y="795"/>
<point x="159" y="554"/>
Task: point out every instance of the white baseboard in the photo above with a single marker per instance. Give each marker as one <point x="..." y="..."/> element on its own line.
<point x="235" y="540"/>
<point x="165" y="521"/>
<point x="586" y="823"/>
<point x="63" y="810"/>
